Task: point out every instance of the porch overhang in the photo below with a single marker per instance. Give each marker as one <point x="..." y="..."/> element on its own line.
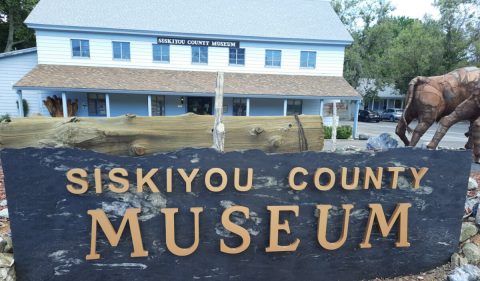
<point x="64" y="78"/>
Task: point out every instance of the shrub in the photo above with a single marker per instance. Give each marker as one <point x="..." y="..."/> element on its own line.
<point x="26" y="108"/>
<point x="5" y="118"/>
<point x="343" y="132"/>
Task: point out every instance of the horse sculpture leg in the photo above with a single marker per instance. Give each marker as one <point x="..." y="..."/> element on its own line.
<point x="465" y="111"/>
<point x="475" y="135"/>
<point x="402" y="128"/>
<point x="420" y="130"/>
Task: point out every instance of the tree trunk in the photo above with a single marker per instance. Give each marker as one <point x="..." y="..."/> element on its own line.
<point x="131" y="135"/>
<point x="11" y="31"/>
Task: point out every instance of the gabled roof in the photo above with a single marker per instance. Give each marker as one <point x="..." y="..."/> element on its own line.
<point x="300" y="20"/>
<point x="144" y="81"/>
<point x="17" y="52"/>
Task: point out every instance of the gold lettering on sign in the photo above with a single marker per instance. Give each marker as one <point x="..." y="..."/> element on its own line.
<point x="249" y="182"/>
<point x="395" y="171"/>
<point x="322" y="227"/>
<point x="131" y="217"/>
<point x="236" y="229"/>
<point x="124" y="185"/>
<point x="81" y="181"/>
<point x="147" y="179"/>
<point x="276" y="227"/>
<point x="354" y="184"/>
<point x="188" y="178"/>
<point x="208" y="178"/>
<point x="371" y="177"/>
<point x="170" y="231"/>
<point x="401" y="213"/>
<point x="291" y="178"/>
<point x="418" y="175"/>
<point x="319" y="173"/>
<point x="98" y="180"/>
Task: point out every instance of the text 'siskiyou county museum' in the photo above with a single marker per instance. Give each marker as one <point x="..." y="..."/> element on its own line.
<point x="162" y="57"/>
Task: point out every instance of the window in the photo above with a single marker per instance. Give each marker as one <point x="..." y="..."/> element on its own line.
<point x="96" y="105"/>
<point x="239" y="107"/>
<point x="121" y="50"/>
<point x="80" y="48"/>
<point x="158" y="105"/>
<point x="273" y="58"/>
<point x="161" y="52"/>
<point x="199" y="54"/>
<point x="308" y="59"/>
<point x="294" y="107"/>
<point x="237" y="56"/>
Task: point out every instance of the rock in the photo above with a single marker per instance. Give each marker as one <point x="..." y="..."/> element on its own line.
<point x="3" y="203"/>
<point x="466" y="272"/>
<point x="382" y="142"/>
<point x="471" y="252"/>
<point x="472" y="184"/>
<point x="4" y="213"/>
<point x="3" y="245"/>
<point x="475" y="239"/>
<point x="6" y="260"/>
<point x="468" y="230"/>
<point x="9" y="246"/>
<point x="363" y="137"/>
<point x="457" y="260"/>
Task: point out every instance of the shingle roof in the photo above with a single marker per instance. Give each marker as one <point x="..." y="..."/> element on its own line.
<point x="63" y="77"/>
<point x="17" y="52"/>
<point x="281" y="19"/>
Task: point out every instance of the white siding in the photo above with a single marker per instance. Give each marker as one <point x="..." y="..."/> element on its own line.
<point x="11" y="70"/>
<point x="54" y="48"/>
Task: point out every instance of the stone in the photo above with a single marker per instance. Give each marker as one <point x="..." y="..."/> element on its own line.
<point x="457" y="260"/>
<point x="4" y="213"/>
<point x="363" y="137"/>
<point x="9" y="246"/>
<point x="466" y="272"/>
<point x="475" y="239"/>
<point x="472" y="184"/>
<point x="471" y="252"/>
<point x="6" y="259"/>
<point x="3" y="203"/>
<point x="383" y="142"/>
<point x="3" y="245"/>
<point x="7" y="273"/>
<point x="468" y="230"/>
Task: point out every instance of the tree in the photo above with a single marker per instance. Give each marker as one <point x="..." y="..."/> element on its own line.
<point x="12" y="15"/>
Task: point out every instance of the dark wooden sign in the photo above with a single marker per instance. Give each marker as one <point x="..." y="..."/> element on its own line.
<point x="198" y="214"/>
<point x="198" y="42"/>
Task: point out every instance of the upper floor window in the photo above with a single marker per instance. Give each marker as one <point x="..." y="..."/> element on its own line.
<point x="161" y="52"/>
<point x="273" y="58"/>
<point x="308" y="59"/>
<point x="199" y="54"/>
<point x="121" y="50"/>
<point x="294" y="107"/>
<point x="80" y="48"/>
<point x="237" y="56"/>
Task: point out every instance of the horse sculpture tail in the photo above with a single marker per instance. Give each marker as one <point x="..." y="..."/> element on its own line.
<point x="411" y="90"/>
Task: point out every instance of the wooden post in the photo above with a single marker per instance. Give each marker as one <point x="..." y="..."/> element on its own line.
<point x="20" y="104"/>
<point x="334" y="126"/>
<point x="149" y="102"/>
<point x="285" y="106"/>
<point x="219" y="128"/>
<point x="107" y="104"/>
<point x="248" y="107"/>
<point x="64" y="105"/>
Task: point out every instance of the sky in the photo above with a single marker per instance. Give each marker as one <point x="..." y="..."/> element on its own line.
<point x="414" y="8"/>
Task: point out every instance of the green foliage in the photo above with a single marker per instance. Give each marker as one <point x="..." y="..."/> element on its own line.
<point x="343" y="132"/>
<point x="26" y="108"/>
<point x="5" y="118"/>
<point x="13" y="33"/>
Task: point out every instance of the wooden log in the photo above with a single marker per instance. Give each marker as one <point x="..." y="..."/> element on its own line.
<point x="131" y="135"/>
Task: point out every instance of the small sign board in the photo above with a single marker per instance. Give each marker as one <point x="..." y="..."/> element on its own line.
<point x="198" y="214"/>
<point x="198" y="42"/>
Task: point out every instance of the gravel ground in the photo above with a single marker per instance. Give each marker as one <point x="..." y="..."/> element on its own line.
<point x="437" y="274"/>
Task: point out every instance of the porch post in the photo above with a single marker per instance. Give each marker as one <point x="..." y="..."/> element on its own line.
<point x="285" y="107"/>
<point x="149" y="102"/>
<point x="247" y="113"/>
<point x="322" y="103"/>
<point x="20" y="104"/>
<point x="107" y="104"/>
<point x="355" y="119"/>
<point x="64" y="105"/>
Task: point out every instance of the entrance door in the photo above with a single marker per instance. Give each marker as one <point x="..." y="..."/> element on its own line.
<point x="200" y="105"/>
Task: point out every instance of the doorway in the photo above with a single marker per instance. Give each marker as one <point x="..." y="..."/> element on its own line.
<point x="200" y="105"/>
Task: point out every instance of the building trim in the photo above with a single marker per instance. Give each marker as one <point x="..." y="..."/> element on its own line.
<point x="18" y="52"/>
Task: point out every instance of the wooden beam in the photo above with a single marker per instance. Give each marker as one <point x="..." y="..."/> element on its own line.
<point x="131" y="135"/>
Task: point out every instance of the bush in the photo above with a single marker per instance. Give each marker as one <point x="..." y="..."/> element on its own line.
<point x="26" y="108"/>
<point x="5" y="118"/>
<point x="343" y="132"/>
